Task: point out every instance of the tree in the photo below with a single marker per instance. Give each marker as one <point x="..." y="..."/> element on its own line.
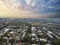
<point x="11" y="41"/>
<point x="2" y="40"/>
<point x="56" y="41"/>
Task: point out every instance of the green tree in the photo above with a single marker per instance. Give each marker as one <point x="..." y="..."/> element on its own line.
<point x="56" y="41"/>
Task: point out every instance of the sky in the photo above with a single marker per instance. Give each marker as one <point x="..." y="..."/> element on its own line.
<point x="29" y="8"/>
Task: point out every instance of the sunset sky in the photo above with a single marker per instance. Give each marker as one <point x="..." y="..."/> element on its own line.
<point x="29" y="8"/>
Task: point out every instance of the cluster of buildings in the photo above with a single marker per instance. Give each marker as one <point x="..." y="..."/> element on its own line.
<point x="21" y="33"/>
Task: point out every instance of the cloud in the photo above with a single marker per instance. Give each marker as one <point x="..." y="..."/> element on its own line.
<point x="11" y="3"/>
<point x="29" y="8"/>
<point x="28" y="2"/>
<point x="31" y="3"/>
<point x="55" y="15"/>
